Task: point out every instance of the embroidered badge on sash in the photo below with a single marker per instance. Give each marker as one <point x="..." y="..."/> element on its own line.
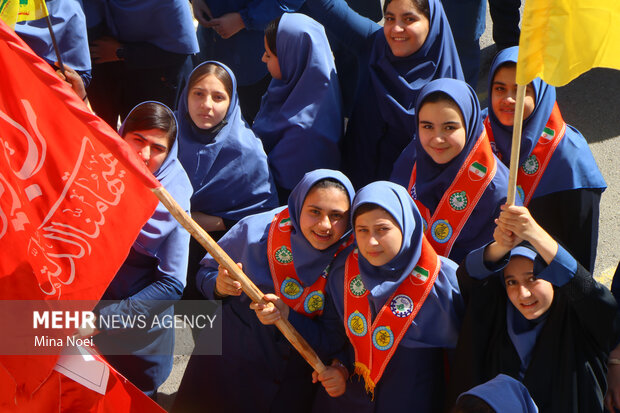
<point x="547" y="135"/>
<point x="401" y="306"/>
<point x="356" y="286"/>
<point x="383" y="338"/>
<point x="413" y="193"/>
<point x="291" y="289"/>
<point x="531" y="165"/>
<point x="357" y="324"/>
<point x="521" y="193"/>
<point x="458" y="200"/>
<point x="314" y="302"/>
<point x="477" y="171"/>
<point x="285" y="225"/>
<point x="441" y="231"/>
<point x="420" y="274"/>
<point x="283" y="255"/>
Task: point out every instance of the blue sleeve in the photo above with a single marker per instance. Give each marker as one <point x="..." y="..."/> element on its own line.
<point x="351" y="29"/>
<point x="480" y="269"/>
<point x="205" y="279"/>
<point x="561" y="270"/>
<point x="258" y="13"/>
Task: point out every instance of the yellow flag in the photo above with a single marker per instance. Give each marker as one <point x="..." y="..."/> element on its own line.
<point x="561" y="39"/>
<point x="13" y="11"/>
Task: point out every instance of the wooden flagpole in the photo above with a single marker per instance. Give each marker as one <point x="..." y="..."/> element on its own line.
<point x="516" y="145"/>
<point x="292" y="335"/>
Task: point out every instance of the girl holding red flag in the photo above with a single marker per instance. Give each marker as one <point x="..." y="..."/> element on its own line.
<point x="289" y="251"/>
<point x="450" y="170"/>
<point x="400" y="304"/>
<point x="558" y="178"/>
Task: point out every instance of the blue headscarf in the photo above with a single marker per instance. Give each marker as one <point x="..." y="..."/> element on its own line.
<point x="383" y="122"/>
<point x="504" y="394"/>
<point x="162" y="238"/>
<point x="226" y="164"/>
<point x="165" y="24"/>
<point x="443" y="300"/>
<point x="300" y="120"/>
<point x="246" y="242"/>
<point x="433" y="180"/>
<point x="69" y="25"/>
<point x="572" y="165"/>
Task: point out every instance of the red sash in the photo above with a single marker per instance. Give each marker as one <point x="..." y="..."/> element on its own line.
<point x="459" y="201"/>
<point x="534" y="166"/>
<point x="375" y="346"/>
<point x="308" y="301"/>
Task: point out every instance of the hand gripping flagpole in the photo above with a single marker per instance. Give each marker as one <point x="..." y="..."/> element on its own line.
<point x="516" y="145"/>
<point x="248" y="287"/>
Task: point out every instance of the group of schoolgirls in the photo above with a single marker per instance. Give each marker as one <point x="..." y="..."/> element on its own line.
<point x="387" y="305"/>
<point x="391" y="307"/>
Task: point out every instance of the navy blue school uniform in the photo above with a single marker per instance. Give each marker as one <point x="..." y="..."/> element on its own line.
<point x="433" y="180"/>
<point x="69" y="26"/>
<point x="256" y="359"/>
<point x="300" y="120"/>
<point x="566" y="200"/>
<point x="155" y="270"/>
<point x="382" y="121"/>
<point x="157" y="40"/>
<point x="560" y="357"/>
<point x="228" y="169"/>
<point x="414" y="376"/>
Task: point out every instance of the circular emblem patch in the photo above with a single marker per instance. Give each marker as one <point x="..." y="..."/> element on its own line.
<point x="357" y="324"/>
<point x="314" y="302"/>
<point x="521" y="193"/>
<point x="401" y="306"/>
<point x="356" y="286"/>
<point x="284" y="255"/>
<point x="383" y="338"/>
<point x="291" y="289"/>
<point x="441" y="231"/>
<point x="458" y="200"/>
<point x="530" y="166"/>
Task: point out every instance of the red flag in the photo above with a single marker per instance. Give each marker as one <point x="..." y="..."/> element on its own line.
<point x="59" y="393"/>
<point x="73" y="196"/>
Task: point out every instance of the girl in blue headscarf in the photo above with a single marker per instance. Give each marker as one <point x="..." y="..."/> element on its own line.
<point x="558" y="178"/>
<point x="400" y="305"/>
<point x="451" y="171"/>
<point x="413" y="47"/>
<point x="300" y="120"/>
<point x="138" y="49"/>
<point x="288" y="251"/>
<point x="532" y="312"/>
<point x="69" y="26"/>
<point x="223" y="158"/>
<point x="157" y="263"/>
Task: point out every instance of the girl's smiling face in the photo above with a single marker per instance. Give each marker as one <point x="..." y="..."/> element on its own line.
<point x="324" y="216"/>
<point x="441" y="130"/>
<point x="528" y="294"/>
<point x="504" y="96"/>
<point x="378" y="236"/>
<point x="405" y="28"/>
